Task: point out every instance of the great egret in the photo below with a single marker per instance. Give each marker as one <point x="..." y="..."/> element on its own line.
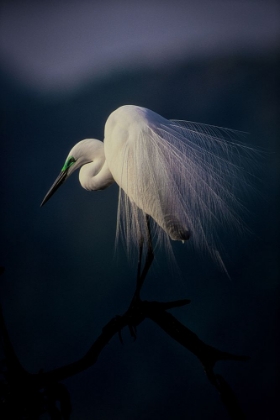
<point x="181" y="174"/>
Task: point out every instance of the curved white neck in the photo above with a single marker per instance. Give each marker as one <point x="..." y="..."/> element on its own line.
<point x="96" y="175"/>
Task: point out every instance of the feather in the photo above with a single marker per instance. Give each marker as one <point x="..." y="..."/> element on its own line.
<point x="186" y="176"/>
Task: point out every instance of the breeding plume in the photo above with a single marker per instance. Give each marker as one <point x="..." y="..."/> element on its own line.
<point x="182" y="175"/>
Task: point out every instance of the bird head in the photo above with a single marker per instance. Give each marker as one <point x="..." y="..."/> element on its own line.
<point x="78" y="156"/>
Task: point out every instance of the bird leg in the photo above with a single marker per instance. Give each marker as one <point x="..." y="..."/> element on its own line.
<point x="149" y="259"/>
<point x="135" y="305"/>
<point x="141" y="243"/>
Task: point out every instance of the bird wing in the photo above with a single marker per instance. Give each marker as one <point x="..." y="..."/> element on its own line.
<point x="186" y="176"/>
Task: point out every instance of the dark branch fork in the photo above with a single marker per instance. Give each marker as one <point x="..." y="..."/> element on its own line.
<point x="137" y="312"/>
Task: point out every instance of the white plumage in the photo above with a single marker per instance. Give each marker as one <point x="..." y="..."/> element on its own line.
<point x="184" y="175"/>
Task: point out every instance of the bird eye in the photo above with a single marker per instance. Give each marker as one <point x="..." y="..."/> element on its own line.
<point x="71" y="161"/>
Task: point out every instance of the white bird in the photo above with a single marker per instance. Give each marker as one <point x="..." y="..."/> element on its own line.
<point x="183" y="175"/>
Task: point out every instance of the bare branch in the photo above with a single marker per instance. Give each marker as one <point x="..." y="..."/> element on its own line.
<point x="26" y="391"/>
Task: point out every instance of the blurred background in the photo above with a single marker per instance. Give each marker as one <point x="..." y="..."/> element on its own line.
<point x="65" y="66"/>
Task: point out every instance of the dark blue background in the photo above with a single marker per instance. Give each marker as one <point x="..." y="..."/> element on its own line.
<point x="64" y="280"/>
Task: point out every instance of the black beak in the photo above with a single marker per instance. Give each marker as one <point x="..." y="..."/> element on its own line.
<point x="59" y="181"/>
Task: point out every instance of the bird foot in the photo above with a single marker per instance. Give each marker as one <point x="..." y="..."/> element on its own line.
<point x="134" y="315"/>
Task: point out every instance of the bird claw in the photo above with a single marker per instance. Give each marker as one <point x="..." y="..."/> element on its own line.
<point x="133" y="331"/>
<point x="134" y="315"/>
